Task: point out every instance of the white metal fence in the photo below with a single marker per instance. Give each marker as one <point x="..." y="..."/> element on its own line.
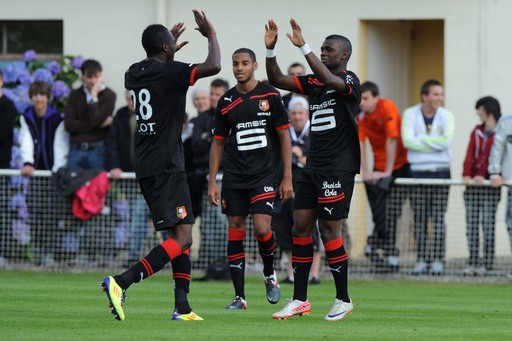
<point x="38" y="229"/>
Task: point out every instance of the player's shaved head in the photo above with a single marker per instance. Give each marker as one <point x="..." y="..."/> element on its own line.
<point x="344" y="41"/>
<point x="153" y="38"/>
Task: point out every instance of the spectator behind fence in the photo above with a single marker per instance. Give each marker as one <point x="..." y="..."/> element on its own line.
<point x="201" y="101"/>
<point x="282" y="221"/>
<point x="380" y="122"/>
<point x="88" y="117"/>
<point x="201" y="142"/>
<point x="500" y="165"/>
<point x="251" y="126"/>
<point x="212" y="222"/>
<point x="44" y="145"/>
<point x="8" y="115"/>
<point x="427" y="131"/>
<point x="479" y="200"/>
<point x="294" y="70"/>
<point x="120" y="151"/>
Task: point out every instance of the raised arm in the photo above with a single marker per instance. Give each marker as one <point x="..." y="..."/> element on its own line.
<point x="274" y="74"/>
<point x="211" y="66"/>
<point x="322" y="73"/>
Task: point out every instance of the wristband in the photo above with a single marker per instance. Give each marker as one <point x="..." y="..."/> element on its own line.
<point x="271" y="53"/>
<point x="305" y="49"/>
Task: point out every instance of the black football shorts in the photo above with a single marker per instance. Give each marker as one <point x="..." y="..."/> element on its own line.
<point x="329" y="192"/>
<point x="168" y="198"/>
<point x="241" y="202"/>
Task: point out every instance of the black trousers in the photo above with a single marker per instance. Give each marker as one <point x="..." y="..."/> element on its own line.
<point x="386" y="204"/>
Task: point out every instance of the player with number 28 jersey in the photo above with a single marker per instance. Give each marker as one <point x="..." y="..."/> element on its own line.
<point x="159" y="94"/>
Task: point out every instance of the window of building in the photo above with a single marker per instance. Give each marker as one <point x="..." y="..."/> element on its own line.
<point x="43" y="36"/>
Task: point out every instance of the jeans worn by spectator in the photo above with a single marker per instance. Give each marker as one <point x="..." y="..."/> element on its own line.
<point x="88" y="155"/>
<point x="481" y="202"/>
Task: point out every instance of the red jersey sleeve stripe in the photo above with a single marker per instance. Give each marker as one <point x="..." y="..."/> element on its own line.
<point x="288" y="125"/>
<point x="298" y="84"/>
<point x="219" y="137"/>
<point x="350" y="91"/>
<point x="231" y="106"/>
<point x="193" y="76"/>
<point x="264" y="95"/>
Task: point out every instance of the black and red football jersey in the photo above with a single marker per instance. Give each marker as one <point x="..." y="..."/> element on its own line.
<point x="248" y="124"/>
<point x="159" y="90"/>
<point x="334" y="135"/>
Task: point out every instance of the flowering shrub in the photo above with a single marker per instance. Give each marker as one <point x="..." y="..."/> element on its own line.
<point x="18" y="76"/>
<point x="61" y="75"/>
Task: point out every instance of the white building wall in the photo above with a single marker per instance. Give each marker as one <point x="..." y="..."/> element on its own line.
<point x="477" y="49"/>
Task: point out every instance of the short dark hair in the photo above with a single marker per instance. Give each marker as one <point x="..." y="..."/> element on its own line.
<point x="219" y="82"/>
<point x="296" y="65"/>
<point x="370" y="86"/>
<point x="40" y="87"/>
<point x="90" y="66"/>
<point x="342" y="39"/>
<point x="490" y="105"/>
<point x="246" y="50"/>
<point x="425" y="88"/>
<point x="153" y="37"/>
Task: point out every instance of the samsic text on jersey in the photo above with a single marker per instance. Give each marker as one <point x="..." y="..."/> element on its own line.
<point x="159" y="90"/>
<point x="334" y="136"/>
<point x="248" y="122"/>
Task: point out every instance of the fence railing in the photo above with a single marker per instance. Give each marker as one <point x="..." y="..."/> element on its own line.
<point x="38" y="229"/>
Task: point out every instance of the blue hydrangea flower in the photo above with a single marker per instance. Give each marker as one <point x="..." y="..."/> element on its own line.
<point x="121" y="235"/>
<point x="29" y="56"/>
<point x="70" y="242"/>
<point x="25" y="78"/>
<point x="54" y="67"/>
<point x="22" y="100"/>
<point x="10" y="94"/>
<point x="12" y="71"/>
<point x="17" y="201"/>
<point x="43" y="75"/>
<point x="16" y="160"/>
<point x="77" y="62"/>
<point x="60" y="89"/>
<point x="122" y="210"/>
<point x="16" y="138"/>
<point x="21" y="231"/>
<point x="23" y="212"/>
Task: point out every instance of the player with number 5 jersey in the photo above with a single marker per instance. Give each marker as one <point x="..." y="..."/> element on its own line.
<point x="158" y="86"/>
<point x="325" y="189"/>
<point x="251" y="125"/>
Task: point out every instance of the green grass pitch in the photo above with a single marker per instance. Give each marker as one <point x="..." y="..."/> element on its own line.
<point x="70" y="306"/>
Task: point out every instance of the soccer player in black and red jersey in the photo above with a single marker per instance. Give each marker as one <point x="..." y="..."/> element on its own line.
<point x="251" y="124"/>
<point x="327" y="183"/>
<point x="158" y="86"/>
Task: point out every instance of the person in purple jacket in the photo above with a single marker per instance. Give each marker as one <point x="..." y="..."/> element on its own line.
<point x="44" y="145"/>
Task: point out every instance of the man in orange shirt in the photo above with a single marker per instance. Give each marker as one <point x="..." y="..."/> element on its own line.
<point x="380" y="122"/>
